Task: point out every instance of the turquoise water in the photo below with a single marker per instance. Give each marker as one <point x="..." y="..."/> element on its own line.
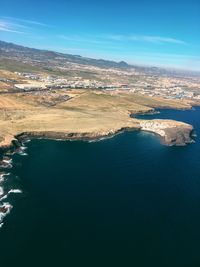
<point x="124" y="201"/>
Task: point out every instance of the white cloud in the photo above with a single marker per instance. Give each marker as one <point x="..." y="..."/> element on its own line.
<point x="110" y="38"/>
<point x="15" y="25"/>
<point x="25" y="21"/>
<point x="146" y="38"/>
<point x="87" y="39"/>
<point x="9" y="27"/>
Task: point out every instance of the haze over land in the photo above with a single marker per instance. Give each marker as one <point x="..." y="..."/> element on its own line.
<point x="121" y="79"/>
<point x="154" y="33"/>
<point x="45" y="93"/>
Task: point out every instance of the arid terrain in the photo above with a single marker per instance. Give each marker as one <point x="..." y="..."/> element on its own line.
<point x="88" y="113"/>
<point x="79" y="98"/>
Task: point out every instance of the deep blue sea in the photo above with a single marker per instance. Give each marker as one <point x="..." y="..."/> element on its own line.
<point x="123" y="201"/>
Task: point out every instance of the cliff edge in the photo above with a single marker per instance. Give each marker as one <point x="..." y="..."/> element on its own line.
<point x="171" y="132"/>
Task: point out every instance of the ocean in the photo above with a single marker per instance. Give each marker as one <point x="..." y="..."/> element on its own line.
<point x="123" y="201"/>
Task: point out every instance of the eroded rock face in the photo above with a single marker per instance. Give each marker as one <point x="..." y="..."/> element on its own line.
<point x="171" y="132"/>
<point x="3" y="209"/>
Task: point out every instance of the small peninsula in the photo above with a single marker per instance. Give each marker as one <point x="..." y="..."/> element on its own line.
<point x="88" y="114"/>
<point x="46" y="94"/>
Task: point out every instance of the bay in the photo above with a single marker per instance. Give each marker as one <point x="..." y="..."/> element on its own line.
<point x="123" y="201"/>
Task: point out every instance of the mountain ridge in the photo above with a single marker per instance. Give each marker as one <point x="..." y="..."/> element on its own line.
<point x="11" y="51"/>
<point x="27" y="51"/>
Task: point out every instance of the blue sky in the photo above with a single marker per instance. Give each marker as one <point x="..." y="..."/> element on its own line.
<point x="150" y="32"/>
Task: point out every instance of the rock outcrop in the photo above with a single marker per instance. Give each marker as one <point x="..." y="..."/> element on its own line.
<point x="171" y="132"/>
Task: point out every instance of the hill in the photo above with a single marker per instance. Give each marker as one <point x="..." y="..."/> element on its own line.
<point x="11" y="50"/>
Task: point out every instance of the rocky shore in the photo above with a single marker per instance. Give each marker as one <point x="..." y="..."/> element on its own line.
<point x="171" y="132"/>
<point x="88" y="115"/>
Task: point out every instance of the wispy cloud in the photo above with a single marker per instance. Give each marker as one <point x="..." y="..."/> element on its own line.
<point x="114" y="38"/>
<point x="15" y="25"/>
<point x="81" y="39"/>
<point x="25" y="21"/>
<point x="6" y="26"/>
<point x="146" y="38"/>
<point x="93" y="40"/>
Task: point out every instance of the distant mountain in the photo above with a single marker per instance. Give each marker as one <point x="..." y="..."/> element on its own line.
<point x="46" y="59"/>
<point x="13" y="50"/>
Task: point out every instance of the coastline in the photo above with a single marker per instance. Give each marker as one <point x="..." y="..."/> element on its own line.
<point x="170" y="132"/>
<point x="93" y="116"/>
<point x="17" y="141"/>
<point x="167" y="130"/>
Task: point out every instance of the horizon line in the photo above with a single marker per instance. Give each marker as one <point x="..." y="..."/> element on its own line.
<point x="131" y="64"/>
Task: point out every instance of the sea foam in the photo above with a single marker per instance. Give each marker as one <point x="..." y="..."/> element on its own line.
<point x="3" y="175"/>
<point x="8" y="208"/>
<point x="1" y="191"/>
<point x="15" y="191"/>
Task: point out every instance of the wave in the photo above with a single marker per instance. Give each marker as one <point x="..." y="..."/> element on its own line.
<point x="3" y="197"/>
<point x="27" y="140"/>
<point x="15" y="191"/>
<point x="5" y="209"/>
<point x="21" y="150"/>
<point x="1" y="191"/>
<point x="22" y="153"/>
<point x="7" y="161"/>
<point x="6" y="188"/>
<point x="11" y="191"/>
<point x="1" y="178"/>
<point x="3" y="175"/>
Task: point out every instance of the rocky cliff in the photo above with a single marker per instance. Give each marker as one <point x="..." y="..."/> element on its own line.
<point x="171" y="132"/>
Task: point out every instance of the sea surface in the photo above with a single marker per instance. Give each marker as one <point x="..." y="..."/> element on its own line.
<point x="123" y="201"/>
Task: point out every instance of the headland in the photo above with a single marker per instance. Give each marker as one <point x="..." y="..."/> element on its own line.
<point x="88" y="115"/>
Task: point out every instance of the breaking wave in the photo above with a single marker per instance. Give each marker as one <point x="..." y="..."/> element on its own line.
<point x="7" y="186"/>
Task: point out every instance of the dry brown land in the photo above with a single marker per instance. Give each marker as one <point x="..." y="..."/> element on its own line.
<point x="89" y="113"/>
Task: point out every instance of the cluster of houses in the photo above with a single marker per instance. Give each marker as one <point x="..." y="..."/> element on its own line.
<point x="152" y="86"/>
<point x="38" y="82"/>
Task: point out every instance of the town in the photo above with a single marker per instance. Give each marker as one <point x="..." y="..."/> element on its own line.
<point x="166" y="87"/>
<point x="30" y="70"/>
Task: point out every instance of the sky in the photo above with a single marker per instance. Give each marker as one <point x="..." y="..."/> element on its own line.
<point x="144" y="32"/>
